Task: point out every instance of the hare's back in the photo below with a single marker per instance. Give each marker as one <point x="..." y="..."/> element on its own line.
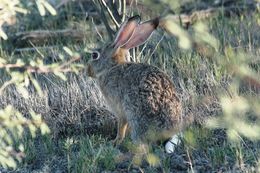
<point x="145" y="86"/>
<point x="152" y="84"/>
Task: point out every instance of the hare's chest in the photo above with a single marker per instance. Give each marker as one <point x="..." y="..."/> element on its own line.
<point x="114" y="104"/>
<point x="113" y="98"/>
<point x="115" y="107"/>
<point x="111" y="86"/>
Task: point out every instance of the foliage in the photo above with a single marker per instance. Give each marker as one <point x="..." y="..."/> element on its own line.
<point x="8" y="10"/>
<point x="13" y="124"/>
<point x="237" y="106"/>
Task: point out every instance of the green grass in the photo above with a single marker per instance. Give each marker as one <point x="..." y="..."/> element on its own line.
<point x="207" y="149"/>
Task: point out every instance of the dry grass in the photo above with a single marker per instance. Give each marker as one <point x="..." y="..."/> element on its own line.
<point x="75" y="110"/>
<point x="70" y="107"/>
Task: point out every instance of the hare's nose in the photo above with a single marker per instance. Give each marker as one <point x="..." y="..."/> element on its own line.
<point x="90" y="71"/>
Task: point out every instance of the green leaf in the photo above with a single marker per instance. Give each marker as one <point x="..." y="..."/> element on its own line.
<point x="32" y="129"/>
<point x="169" y="24"/>
<point x="152" y="159"/>
<point x="44" y="129"/>
<point x="20" y="10"/>
<point x="23" y="91"/>
<point x="35" y="117"/>
<point x="2" y="61"/>
<point x="68" y="51"/>
<point x="3" y="34"/>
<point x="17" y="77"/>
<point x="21" y="147"/>
<point x="7" y="161"/>
<point x="36" y="85"/>
<point x="50" y="8"/>
<point x="60" y="75"/>
<point x="202" y="34"/>
<point x="40" y="7"/>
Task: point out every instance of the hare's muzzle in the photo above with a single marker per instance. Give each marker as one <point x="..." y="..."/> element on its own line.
<point x="90" y="71"/>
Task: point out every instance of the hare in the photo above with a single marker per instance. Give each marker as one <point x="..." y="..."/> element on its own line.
<point x="142" y="96"/>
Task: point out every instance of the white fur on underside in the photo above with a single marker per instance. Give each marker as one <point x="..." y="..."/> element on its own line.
<point x="172" y="143"/>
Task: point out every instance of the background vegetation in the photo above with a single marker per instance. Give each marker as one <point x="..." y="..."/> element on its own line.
<point x="53" y="117"/>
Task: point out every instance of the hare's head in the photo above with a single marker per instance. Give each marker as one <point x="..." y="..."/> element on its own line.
<point x="130" y="34"/>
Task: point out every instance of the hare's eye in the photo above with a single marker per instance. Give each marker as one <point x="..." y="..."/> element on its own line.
<point x="95" y="55"/>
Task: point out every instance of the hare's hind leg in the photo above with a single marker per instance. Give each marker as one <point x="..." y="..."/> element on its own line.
<point x="121" y="130"/>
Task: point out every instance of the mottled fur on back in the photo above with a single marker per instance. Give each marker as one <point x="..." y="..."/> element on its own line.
<point x="146" y="96"/>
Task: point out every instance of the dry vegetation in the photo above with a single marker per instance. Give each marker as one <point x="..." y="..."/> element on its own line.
<point x="82" y="128"/>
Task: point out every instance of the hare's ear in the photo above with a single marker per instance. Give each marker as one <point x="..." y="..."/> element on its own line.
<point x="142" y="33"/>
<point x="126" y="31"/>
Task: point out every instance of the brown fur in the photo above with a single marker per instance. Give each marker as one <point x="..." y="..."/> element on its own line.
<point x="120" y="56"/>
<point x="90" y="71"/>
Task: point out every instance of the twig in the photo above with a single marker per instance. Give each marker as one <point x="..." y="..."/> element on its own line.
<point x="123" y="11"/>
<point x="110" y="31"/>
<point x="243" y="141"/>
<point x="189" y="19"/>
<point x="190" y="163"/>
<point x="76" y="58"/>
<point x="37" y="50"/>
<point x="33" y="49"/>
<point x="41" y="69"/>
<point x="6" y="84"/>
<point x="115" y="7"/>
<point x="158" y="43"/>
<point x="110" y="13"/>
<point x="98" y="33"/>
<point x="43" y="36"/>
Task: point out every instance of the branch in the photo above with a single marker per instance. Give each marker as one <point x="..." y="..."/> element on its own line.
<point x="40" y="37"/>
<point x="110" y="13"/>
<point x="115" y="7"/>
<point x="41" y="69"/>
<point x="34" y="49"/>
<point x="123" y="10"/>
<point x="98" y="7"/>
<point x="43" y="36"/>
<point x="6" y="84"/>
<point x="189" y="19"/>
<point x="251" y="81"/>
<point x="114" y="15"/>
<point x="110" y="31"/>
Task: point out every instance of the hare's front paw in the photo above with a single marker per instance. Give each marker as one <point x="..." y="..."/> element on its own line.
<point x="117" y="141"/>
<point x="173" y="142"/>
<point x="121" y="131"/>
